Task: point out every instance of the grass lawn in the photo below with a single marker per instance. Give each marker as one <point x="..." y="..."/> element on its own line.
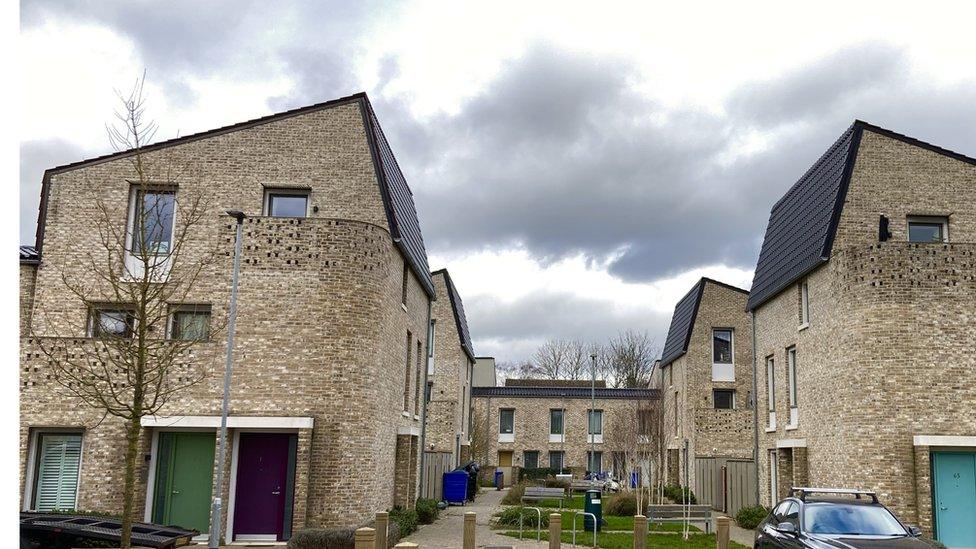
<point x="626" y="541"/>
<point x="622" y="523"/>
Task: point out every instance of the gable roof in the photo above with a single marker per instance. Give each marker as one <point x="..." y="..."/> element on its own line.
<point x="603" y="393"/>
<point x="398" y="202"/>
<point x="803" y="223"/>
<point x="683" y="320"/>
<point x="460" y="319"/>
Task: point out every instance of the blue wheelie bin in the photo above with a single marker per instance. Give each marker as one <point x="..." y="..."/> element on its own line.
<point x="499" y="479"/>
<point x="456" y="487"/>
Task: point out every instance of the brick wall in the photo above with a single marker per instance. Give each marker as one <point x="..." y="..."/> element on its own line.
<point x="321" y="331"/>
<point x="28" y="275"/>
<point x="890" y="335"/>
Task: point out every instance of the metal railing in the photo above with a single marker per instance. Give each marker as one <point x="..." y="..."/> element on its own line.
<point x="595" y="525"/>
<point x="538" y="524"/>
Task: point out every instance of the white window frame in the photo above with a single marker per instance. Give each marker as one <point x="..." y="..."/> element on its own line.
<point x="30" y="470"/>
<point x="431" y="337"/>
<point x="506" y="437"/>
<point x="596" y="438"/>
<point x="927" y="220"/>
<point x="804" y="305"/>
<point x="269" y="191"/>
<point x="792" y="394"/>
<point x="722" y="371"/>
<point x="560" y="437"/>
<point x="771" y="392"/>
<point x="133" y="265"/>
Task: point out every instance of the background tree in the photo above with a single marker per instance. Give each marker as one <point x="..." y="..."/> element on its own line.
<point x="141" y="352"/>
<point x="550" y="359"/>
<point x="629" y="358"/>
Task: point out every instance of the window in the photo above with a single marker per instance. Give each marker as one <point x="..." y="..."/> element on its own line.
<point x="506" y="425"/>
<point x="928" y="229"/>
<point x="771" y="391"/>
<point x="403" y="284"/>
<point x="530" y="459"/>
<point x="804" y="304"/>
<point x="773" y="491"/>
<point x="416" y="381"/>
<point x="109" y="322"/>
<point x="594" y="462"/>
<point x="406" y="378"/>
<point x="792" y="515"/>
<point x="430" y="347"/>
<point x="595" y="425"/>
<point x="286" y="203"/>
<point x="645" y="422"/>
<point x="556" y="459"/>
<point x="55" y="475"/>
<point x="791" y="382"/>
<point x="428" y="391"/>
<point x="556" y="425"/>
<point x="190" y="323"/>
<point x="676" y="413"/>
<point x="618" y="460"/>
<point x="722" y="352"/>
<point x="151" y="222"/>
<point x="724" y="399"/>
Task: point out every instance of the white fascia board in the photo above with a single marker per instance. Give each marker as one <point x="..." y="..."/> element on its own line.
<point x="233" y="422"/>
<point x="791" y="443"/>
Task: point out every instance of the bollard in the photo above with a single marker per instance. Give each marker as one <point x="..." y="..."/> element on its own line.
<point x="722" y="532"/>
<point x="640" y="532"/>
<point x="382" y="530"/>
<point x="365" y="538"/>
<point x="555" y="530"/>
<point x="468" y="540"/>
<point x="406" y="545"/>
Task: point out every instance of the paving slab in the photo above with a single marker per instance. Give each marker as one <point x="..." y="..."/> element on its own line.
<point x="447" y="530"/>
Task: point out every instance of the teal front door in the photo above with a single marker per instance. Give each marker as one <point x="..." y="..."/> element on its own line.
<point x="955" y="498"/>
<point x="184" y="480"/>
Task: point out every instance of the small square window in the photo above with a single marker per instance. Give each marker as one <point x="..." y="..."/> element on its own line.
<point x="530" y="459"/>
<point x="928" y="229"/>
<point x="107" y="323"/>
<point x="287" y="203"/>
<point x="724" y="399"/>
<point x="190" y="323"/>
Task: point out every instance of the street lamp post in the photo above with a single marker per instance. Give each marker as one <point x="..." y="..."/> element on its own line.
<point x="592" y="413"/>
<point x="215" y="509"/>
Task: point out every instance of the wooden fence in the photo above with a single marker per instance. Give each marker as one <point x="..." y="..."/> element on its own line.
<point x="725" y="484"/>
<point x="435" y="465"/>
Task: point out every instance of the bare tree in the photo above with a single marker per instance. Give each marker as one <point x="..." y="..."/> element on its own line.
<point x="632" y="433"/>
<point x="479" y="435"/>
<point x="550" y="359"/>
<point x="630" y="359"/>
<point x="140" y="354"/>
<point x="577" y="363"/>
<point x="506" y="369"/>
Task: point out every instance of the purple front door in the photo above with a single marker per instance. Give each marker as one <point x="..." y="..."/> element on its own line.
<point x="263" y="485"/>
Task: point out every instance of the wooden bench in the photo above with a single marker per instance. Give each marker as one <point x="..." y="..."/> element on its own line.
<point x="697" y="514"/>
<point x="538" y="493"/>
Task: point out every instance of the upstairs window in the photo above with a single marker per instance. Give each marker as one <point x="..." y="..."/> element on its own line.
<point x="111" y="322"/>
<point x="286" y="203"/>
<point x="724" y="399"/>
<point x="556" y="422"/>
<point x="190" y="323"/>
<point x="645" y="421"/>
<point x="506" y="421"/>
<point x="771" y="391"/>
<point x="722" y="353"/>
<point x="804" y="304"/>
<point x="928" y="229"/>
<point x="595" y="425"/>
<point x="791" y="384"/>
<point x="403" y="284"/>
<point x="151" y="222"/>
<point x="406" y="377"/>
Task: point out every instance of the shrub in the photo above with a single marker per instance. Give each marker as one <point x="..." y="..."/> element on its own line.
<point x="537" y="473"/>
<point x="750" y="517"/>
<point x="556" y="483"/>
<point x="622" y="505"/>
<point x="510" y="517"/>
<point x="678" y="494"/>
<point x="427" y="511"/>
<point x="323" y="538"/>
<point x="514" y="495"/>
<point x="405" y="519"/>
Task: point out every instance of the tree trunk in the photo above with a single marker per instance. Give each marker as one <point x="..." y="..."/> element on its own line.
<point x="128" y="494"/>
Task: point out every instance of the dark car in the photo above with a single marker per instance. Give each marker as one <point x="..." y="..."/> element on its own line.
<point x="825" y="518"/>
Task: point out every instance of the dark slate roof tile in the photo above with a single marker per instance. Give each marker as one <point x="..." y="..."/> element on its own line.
<point x="683" y="320"/>
<point x="459" y="318"/>
<point x="564" y="392"/>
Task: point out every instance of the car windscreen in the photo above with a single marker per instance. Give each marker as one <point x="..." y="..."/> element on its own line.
<point x="843" y="518"/>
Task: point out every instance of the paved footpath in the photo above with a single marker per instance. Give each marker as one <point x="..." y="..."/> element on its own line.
<point x="737" y="534"/>
<point x="447" y="530"/>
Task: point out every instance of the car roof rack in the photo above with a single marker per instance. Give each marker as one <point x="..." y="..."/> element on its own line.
<point x="801" y="492"/>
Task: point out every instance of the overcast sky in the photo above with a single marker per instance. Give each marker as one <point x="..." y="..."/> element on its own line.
<point x="577" y="169"/>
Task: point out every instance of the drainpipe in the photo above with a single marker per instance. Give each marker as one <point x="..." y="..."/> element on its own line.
<point x="423" y="413"/>
<point x="755" y="405"/>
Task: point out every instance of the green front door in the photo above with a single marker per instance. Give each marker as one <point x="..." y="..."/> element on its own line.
<point x="184" y="480"/>
<point x="955" y="498"/>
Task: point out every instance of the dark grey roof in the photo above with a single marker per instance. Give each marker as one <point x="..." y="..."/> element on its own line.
<point x="28" y="254"/>
<point x="683" y="321"/>
<point x="458" y="307"/>
<point x="516" y="382"/>
<point x="397" y="198"/>
<point x="564" y="392"/>
<point x="803" y="223"/>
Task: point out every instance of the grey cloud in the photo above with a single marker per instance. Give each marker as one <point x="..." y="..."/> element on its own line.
<point x="35" y="157"/>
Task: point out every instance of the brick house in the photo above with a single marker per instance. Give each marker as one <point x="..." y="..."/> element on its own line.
<point x="706" y="381"/>
<point x="531" y="423"/>
<point x="864" y="304"/>
<point x="334" y="307"/>
<point x="449" y="372"/>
